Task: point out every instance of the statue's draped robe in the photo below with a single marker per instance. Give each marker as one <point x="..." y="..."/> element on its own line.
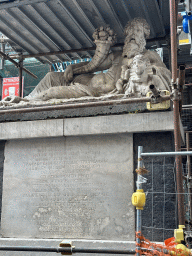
<point x="83" y="85"/>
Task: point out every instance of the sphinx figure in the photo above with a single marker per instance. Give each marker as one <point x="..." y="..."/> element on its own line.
<point x="80" y="80"/>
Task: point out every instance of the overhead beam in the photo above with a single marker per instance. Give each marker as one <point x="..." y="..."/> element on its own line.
<point x="160" y="17"/>
<point x="23" y="38"/>
<point x="83" y="14"/>
<point x="16" y="42"/>
<point x="97" y="11"/>
<point x="75" y="22"/>
<point x="25" y="26"/>
<point x="78" y="50"/>
<point x="17" y="3"/>
<point x="35" y="55"/>
<point x="64" y="26"/>
<point x="144" y="7"/>
<point x="126" y="10"/>
<point x="40" y="28"/>
<point x="117" y="20"/>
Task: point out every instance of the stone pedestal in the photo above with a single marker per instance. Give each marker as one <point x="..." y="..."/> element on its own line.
<point x="73" y="178"/>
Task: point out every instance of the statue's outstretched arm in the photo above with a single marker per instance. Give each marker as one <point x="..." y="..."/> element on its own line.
<point x="107" y="63"/>
<point x="104" y="38"/>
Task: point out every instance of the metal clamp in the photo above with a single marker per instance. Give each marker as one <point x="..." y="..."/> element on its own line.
<point x="175" y="95"/>
<point x="155" y="97"/>
<point x="67" y="244"/>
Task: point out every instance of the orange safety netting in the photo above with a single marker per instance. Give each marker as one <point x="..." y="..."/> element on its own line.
<point x="149" y="248"/>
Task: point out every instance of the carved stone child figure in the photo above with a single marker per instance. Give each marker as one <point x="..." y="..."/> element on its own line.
<point x="135" y="81"/>
<point x="122" y="80"/>
<point x="138" y="76"/>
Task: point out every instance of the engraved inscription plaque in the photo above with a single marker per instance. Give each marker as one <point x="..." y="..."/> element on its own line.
<point x="73" y="187"/>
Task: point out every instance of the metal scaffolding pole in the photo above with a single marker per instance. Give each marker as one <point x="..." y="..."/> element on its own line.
<point x="139" y="186"/>
<point x="6" y="57"/>
<point x="65" y="250"/>
<point x="20" y="76"/>
<point x="176" y="101"/>
<point x="179" y="153"/>
<point x="189" y="176"/>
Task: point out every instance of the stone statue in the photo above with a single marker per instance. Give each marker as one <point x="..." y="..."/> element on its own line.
<point x="127" y="73"/>
<point x="136" y="79"/>
<point x="138" y="76"/>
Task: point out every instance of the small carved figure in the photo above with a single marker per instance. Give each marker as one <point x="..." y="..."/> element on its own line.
<point x="121" y="81"/>
<point x="138" y="77"/>
<point x="141" y="75"/>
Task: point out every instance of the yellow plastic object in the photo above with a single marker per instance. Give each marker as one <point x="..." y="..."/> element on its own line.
<point x="178" y="234"/>
<point x="138" y="199"/>
<point x="67" y="244"/>
<point x="185" y="250"/>
<point x="159" y="106"/>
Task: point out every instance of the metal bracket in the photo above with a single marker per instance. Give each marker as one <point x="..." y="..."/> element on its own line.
<point x="155" y="99"/>
<point x="175" y="95"/>
<point x="67" y="244"/>
<point x="188" y="234"/>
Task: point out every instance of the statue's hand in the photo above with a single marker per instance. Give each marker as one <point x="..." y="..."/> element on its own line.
<point x="68" y="74"/>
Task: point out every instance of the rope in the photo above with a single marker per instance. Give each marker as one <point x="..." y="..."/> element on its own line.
<point x="141" y="171"/>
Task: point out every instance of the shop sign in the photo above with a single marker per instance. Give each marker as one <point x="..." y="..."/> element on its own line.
<point x="11" y="86"/>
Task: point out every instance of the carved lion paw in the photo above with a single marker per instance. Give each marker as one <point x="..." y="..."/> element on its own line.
<point x="104" y="34"/>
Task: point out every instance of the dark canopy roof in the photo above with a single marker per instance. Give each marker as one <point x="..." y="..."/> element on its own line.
<point x="36" y="26"/>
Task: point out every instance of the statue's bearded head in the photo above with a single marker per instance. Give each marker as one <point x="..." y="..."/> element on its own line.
<point x="136" y="32"/>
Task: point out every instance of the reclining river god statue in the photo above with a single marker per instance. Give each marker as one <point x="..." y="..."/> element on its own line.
<point x="129" y="72"/>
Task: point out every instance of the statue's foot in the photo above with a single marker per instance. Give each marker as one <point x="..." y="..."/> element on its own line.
<point x="12" y="99"/>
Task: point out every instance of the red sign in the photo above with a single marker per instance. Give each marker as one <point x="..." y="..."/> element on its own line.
<point x="11" y="86"/>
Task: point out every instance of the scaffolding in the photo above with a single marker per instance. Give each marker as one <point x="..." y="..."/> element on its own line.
<point x="167" y="197"/>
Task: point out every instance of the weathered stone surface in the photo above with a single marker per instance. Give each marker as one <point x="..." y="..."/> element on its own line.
<point x="73" y="112"/>
<point x="31" y="129"/>
<point x="130" y="123"/>
<point x="74" y="187"/>
<point x="141" y="122"/>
